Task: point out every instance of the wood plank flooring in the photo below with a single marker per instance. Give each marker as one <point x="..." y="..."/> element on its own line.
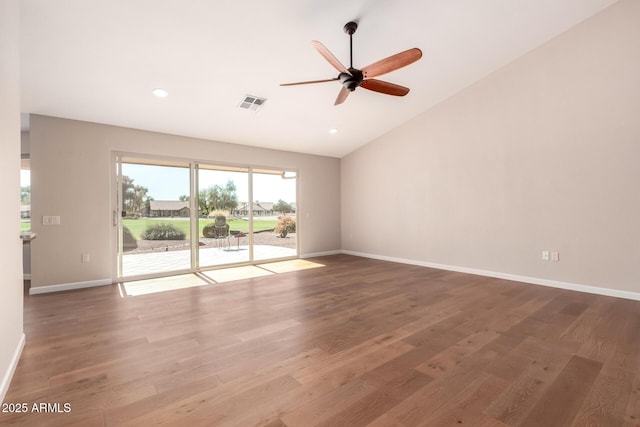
<point x="356" y="342"/>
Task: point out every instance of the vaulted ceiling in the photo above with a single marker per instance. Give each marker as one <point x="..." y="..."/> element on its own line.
<point x="99" y="61"/>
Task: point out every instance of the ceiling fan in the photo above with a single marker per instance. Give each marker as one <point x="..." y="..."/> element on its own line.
<point x="351" y="77"/>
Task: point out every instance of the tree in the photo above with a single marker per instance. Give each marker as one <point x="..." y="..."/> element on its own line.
<point x="207" y="199"/>
<point x="282" y="207"/>
<point x="133" y="196"/>
<point x="217" y="197"/>
<point x="139" y="193"/>
<point x="183" y="198"/>
<point x="127" y="193"/>
<point x="228" y="199"/>
<point x="25" y="195"/>
<point x="147" y="203"/>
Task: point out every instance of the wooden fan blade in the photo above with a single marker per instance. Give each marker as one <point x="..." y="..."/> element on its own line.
<point x="309" y="82"/>
<point x="385" y="87"/>
<point x="392" y="63"/>
<point x="329" y="57"/>
<point x="342" y="95"/>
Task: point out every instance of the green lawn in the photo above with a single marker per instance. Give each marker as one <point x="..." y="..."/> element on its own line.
<point x="137" y="226"/>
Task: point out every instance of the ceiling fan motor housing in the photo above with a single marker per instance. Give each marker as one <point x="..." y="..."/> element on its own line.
<point x="353" y="80"/>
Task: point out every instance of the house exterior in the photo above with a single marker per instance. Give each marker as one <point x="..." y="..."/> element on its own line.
<point x="241" y="210"/>
<point x="263" y="208"/>
<point x="259" y="209"/>
<point x="167" y="208"/>
<point x="25" y="211"/>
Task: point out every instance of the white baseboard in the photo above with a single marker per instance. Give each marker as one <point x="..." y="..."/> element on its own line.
<point x="11" y="369"/>
<point x="318" y="254"/>
<point x="514" y="277"/>
<point x="507" y="276"/>
<point x="68" y="286"/>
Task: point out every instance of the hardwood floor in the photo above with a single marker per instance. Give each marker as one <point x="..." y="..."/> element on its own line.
<point x="357" y="342"/>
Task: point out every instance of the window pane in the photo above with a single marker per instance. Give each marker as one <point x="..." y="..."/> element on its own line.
<point x="155" y="214"/>
<point x="223" y="221"/>
<point x="25" y="196"/>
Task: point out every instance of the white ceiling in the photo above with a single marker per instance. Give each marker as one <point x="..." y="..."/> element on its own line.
<point x="99" y="60"/>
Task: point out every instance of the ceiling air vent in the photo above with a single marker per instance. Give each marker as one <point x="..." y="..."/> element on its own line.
<point x="251" y="102"/>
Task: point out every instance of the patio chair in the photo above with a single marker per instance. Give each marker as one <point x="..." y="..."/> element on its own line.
<point x="221" y="229"/>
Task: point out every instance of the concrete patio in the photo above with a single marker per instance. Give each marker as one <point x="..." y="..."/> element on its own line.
<point x="137" y="264"/>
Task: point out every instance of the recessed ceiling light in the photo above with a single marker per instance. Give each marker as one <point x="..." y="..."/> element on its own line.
<point x="160" y="93"/>
<point x="334" y="130"/>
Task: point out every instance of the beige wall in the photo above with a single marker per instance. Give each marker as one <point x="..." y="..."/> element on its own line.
<point x="11" y="336"/>
<point x="543" y="154"/>
<point x="70" y="175"/>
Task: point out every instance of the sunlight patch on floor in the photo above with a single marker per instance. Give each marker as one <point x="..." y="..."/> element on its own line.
<point x="223" y="275"/>
<point x="162" y="284"/>
<point x="292" y="265"/>
<point x="236" y="273"/>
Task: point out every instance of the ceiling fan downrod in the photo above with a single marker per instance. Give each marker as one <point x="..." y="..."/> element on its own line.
<point x="350" y="28"/>
<point x="353" y="80"/>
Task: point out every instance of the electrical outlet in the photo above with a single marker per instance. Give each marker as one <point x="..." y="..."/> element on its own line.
<point x="555" y="256"/>
<point x="545" y="255"/>
<point x="86" y="257"/>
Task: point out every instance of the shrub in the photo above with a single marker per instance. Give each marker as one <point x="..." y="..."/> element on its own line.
<point x="163" y="231"/>
<point x="128" y="241"/>
<point x="286" y="224"/>
<point x="210" y="230"/>
<point x="216" y="213"/>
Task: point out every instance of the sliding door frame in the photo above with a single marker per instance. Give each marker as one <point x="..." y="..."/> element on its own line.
<point x="119" y="157"/>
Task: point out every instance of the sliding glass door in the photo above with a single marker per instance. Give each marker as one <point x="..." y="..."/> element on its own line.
<point x="274" y="214"/>
<point x="154" y="223"/>
<point x="177" y="216"/>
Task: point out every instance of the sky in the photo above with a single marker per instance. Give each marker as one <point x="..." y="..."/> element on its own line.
<point x="25" y="177"/>
<point x="169" y="183"/>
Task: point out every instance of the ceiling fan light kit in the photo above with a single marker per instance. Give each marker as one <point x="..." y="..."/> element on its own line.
<point x="352" y="78"/>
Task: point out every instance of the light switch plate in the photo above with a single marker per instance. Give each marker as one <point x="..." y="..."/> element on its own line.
<point x="51" y="220"/>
